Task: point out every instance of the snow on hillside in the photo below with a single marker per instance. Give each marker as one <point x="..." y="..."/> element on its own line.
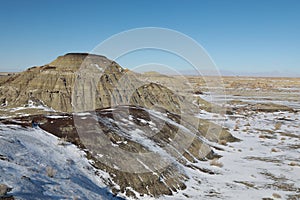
<point x="264" y="164"/>
<point x="37" y="165"/>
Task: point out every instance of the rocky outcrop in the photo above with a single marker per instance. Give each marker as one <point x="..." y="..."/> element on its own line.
<point x="49" y="85"/>
<point x="77" y="82"/>
<point x="4" y="189"/>
<point x="143" y="151"/>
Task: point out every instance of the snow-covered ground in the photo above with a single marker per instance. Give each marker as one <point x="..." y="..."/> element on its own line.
<point x="37" y="165"/>
<point x="265" y="164"/>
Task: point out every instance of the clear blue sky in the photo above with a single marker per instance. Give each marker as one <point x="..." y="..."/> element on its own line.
<point x="242" y="36"/>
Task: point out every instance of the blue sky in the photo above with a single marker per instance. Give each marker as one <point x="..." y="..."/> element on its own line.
<point x="241" y="36"/>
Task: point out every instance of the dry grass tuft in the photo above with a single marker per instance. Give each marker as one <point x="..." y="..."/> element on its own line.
<point x="274" y="150"/>
<point x="63" y="141"/>
<point x="293" y="164"/>
<point x="223" y="142"/>
<point x="277" y="196"/>
<point x="50" y="172"/>
<point x="215" y="162"/>
<point x="237" y="124"/>
<point x="248" y="124"/>
<point x="262" y="136"/>
<point x="277" y="126"/>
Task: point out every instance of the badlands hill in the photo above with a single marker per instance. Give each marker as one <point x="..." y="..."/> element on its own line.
<point x="144" y="135"/>
<point x="84" y="81"/>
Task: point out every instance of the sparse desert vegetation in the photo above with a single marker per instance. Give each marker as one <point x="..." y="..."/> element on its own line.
<point x="50" y="171"/>
<point x="216" y="162"/>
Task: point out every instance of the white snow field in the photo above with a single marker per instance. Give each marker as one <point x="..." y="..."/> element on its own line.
<point x="39" y="166"/>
